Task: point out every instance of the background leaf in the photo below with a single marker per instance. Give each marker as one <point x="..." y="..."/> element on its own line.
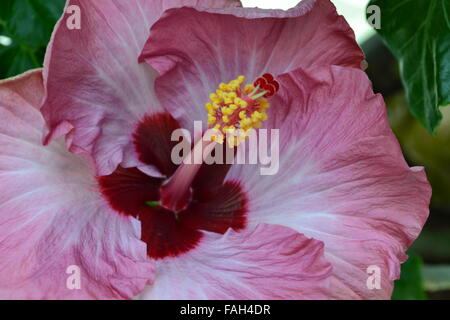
<point x="418" y="33"/>
<point x="410" y="285"/>
<point x="29" y="23"/>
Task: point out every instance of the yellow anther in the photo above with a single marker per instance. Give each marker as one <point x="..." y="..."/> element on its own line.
<point x="249" y="88"/>
<point x="245" y="122"/>
<point x="230" y="130"/>
<point x="211" y="119"/>
<point x="240" y="102"/>
<point x="243" y="133"/>
<point x="218" y="138"/>
<point x="232" y="112"/>
<point x="256" y="116"/>
<point x="264" y="103"/>
<point x="229" y="111"/>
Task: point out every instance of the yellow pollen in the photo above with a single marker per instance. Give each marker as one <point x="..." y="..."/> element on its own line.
<point x="234" y="109"/>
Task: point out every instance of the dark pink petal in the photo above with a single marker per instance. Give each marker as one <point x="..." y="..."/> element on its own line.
<point x="96" y="90"/>
<point x="217" y="209"/>
<point x="128" y="190"/>
<point x="153" y="144"/>
<point x="52" y="215"/>
<point x="165" y="235"/>
<point x="131" y="192"/>
<point x="266" y="262"/>
<point x="210" y="176"/>
<point x="194" y="50"/>
<point x="342" y="178"/>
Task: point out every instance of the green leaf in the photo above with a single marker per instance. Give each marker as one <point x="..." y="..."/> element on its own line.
<point x="15" y="59"/>
<point x="437" y="277"/>
<point x="410" y="285"/>
<point x="29" y="23"/>
<point x="418" y="33"/>
<point x="153" y="204"/>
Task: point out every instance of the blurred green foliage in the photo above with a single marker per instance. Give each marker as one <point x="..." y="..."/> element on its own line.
<point x="410" y="285"/>
<point x="29" y="24"/>
<point x="422" y="149"/>
<point x="418" y="33"/>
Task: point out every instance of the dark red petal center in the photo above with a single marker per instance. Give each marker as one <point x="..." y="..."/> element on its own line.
<point x="215" y="206"/>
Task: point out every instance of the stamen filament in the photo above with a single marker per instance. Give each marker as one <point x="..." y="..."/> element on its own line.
<point x="254" y="91"/>
<point x="258" y="95"/>
<point x="176" y="192"/>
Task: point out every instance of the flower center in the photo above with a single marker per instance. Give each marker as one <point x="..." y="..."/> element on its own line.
<point x="173" y="212"/>
<point x="233" y="110"/>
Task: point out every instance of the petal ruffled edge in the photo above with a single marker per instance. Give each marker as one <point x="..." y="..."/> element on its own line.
<point x="96" y="92"/>
<point x="342" y="178"/>
<point x="53" y="221"/>
<point x="194" y="50"/>
<point x="262" y="262"/>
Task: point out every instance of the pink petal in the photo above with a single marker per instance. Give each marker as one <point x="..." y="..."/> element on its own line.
<point x="342" y="178"/>
<point x="96" y="90"/>
<point x="266" y="262"/>
<point x="194" y="50"/>
<point x="52" y="215"/>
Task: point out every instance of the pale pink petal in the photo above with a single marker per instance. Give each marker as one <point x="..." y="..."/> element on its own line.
<point x="52" y="216"/>
<point x="194" y="51"/>
<point x="96" y="90"/>
<point x="263" y="262"/>
<point x="342" y="178"/>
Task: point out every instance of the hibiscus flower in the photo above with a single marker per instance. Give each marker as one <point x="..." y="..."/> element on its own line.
<point x="102" y="192"/>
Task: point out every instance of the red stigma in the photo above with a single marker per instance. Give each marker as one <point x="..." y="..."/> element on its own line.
<point x="267" y="83"/>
